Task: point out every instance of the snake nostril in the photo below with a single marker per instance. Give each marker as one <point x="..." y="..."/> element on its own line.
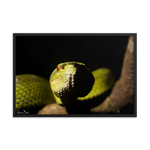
<point x="63" y="66"/>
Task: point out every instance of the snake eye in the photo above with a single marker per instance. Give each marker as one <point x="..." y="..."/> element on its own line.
<point x="58" y="68"/>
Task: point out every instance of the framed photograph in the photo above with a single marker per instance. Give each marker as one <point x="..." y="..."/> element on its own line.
<point x="74" y="75"/>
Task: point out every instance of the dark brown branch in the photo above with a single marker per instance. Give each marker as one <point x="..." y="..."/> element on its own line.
<point x="53" y="109"/>
<point x="123" y="90"/>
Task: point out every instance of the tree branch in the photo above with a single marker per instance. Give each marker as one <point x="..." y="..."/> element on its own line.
<point x="123" y="90"/>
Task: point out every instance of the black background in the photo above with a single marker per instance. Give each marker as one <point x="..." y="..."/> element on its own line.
<point x="40" y="54"/>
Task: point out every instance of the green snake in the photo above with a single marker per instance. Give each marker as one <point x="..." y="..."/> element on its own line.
<point x="69" y="82"/>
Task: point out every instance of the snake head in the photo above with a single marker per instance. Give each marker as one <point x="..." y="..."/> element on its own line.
<point x="71" y="80"/>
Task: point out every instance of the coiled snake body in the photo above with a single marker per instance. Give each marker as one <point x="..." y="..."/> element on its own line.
<point x="69" y="82"/>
